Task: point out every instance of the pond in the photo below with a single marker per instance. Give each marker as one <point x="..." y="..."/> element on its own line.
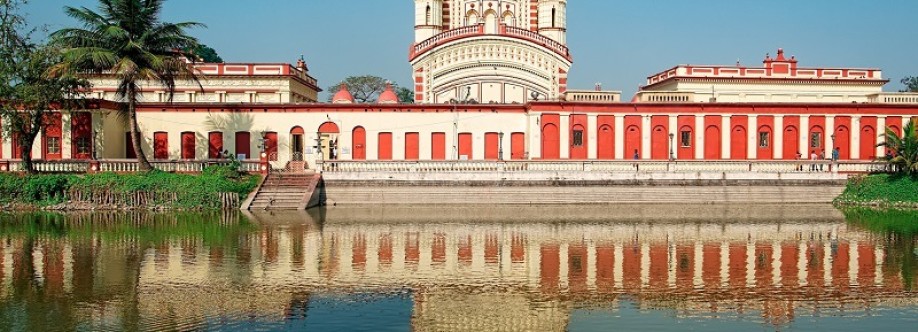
<point x="427" y="268"/>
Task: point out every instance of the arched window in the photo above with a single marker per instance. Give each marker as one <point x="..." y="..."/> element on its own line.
<point x="553" y="16"/>
<point x="427" y="16"/>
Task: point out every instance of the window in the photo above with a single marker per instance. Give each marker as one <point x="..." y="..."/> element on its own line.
<point x="764" y="139"/>
<point x="816" y="140"/>
<point x="83" y="145"/>
<point x="54" y="145"/>
<point x="685" y="139"/>
<point x="578" y="138"/>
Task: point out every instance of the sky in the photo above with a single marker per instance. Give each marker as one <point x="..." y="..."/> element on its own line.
<point x="614" y="42"/>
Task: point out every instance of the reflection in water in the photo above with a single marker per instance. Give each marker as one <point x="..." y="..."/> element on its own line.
<point x="457" y="268"/>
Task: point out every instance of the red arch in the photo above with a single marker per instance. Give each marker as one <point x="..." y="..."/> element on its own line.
<point x="842" y="142"/>
<point x="329" y="128"/>
<point x="659" y="144"/>
<point x="791" y="143"/>
<point x="712" y="148"/>
<point x="868" y="143"/>
<point x="738" y="143"/>
<point x="578" y="151"/>
<point x="633" y="142"/>
<point x="686" y="152"/>
<point x="822" y="139"/>
<point x="766" y="151"/>
<point x="605" y="143"/>
<point x="359" y="143"/>
<point x="299" y="130"/>
<point x="551" y="142"/>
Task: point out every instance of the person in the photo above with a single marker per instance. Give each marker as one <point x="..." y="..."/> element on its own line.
<point x="813" y="157"/>
<point x="799" y="163"/>
<point x="636" y="155"/>
<point x="822" y="157"/>
<point x="835" y="154"/>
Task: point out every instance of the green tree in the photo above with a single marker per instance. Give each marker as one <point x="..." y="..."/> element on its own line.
<point x="127" y="39"/>
<point x="405" y="95"/>
<point x="207" y="54"/>
<point x="904" y="148"/>
<point x="910" y="83"/>
<point x="28" y="93"/>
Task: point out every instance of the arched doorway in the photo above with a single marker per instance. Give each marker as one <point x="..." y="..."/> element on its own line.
<point x="605" y="143"/>
<point x="297" y="143"/>
<point x="633" y="142"/>
<point x="359" y="143"/>
<point x="842" y="141"/>
<point x="551" y="142"/>
<point x="491" y="22"/>
<point x="578" y="143"/>
<point x="328" y="135"/>
<point x="712" y="149"/>
<point x="868" y="143"/>
<point x="765" y="144"/>
<point x="738" y="143"/>
<point x="791" y="143"/>
<point x="659" y="143"/>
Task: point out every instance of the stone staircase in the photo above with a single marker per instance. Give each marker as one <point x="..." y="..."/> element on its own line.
<point x="286" y="191"/>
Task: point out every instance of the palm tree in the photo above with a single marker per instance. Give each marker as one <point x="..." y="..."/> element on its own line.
<point x="125" y="38"/>
<point x="904" y="148"/>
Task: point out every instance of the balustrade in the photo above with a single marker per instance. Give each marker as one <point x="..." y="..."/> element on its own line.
<point x="476" y="30"/>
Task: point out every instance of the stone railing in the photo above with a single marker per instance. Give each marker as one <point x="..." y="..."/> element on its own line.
<point x="590" y="96"/>
<point x="893" y="98"/>
<point x="479" y="30"/>
<point x="665" y="97"/>
<point x="119" y="166"/>
<point x="777" y="166"/>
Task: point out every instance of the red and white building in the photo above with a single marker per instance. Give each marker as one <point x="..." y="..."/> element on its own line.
<point x="490" y="81"/>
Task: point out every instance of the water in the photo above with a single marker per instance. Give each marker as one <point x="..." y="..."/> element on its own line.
<point x="565" y="268"/>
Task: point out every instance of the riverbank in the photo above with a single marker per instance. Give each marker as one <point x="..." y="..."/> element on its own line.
<point x="880" y="191"/>
<point x="218" y="187"/>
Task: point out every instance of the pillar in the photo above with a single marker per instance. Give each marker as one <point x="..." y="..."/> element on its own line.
<point x="855" y="137"/>
<point x="646" y="131"/>
<point x="563" y="274"/>
<point x="592" y="130"/>
<point x="619" y="266"/>
<point x="881" y="128"/>
<point x="750" y="264"/>
<point x="698" y="273"/>
<point x="645" y="264"/>
<point x="724" y="264"/>
<point x="752" y="144"/>
<point x="619" y="137"/>
<point x="725" y="131"/>
<point x="777" y="138"/>
<point x="534" y="257"/>
<point x="564" y="131"/>
<point x="699" y="136"/>
<point x="803" y="145"/>
<point x="829" y="132"/>
<point x="853" y="266"/>
<point x="591" y="265"/>
<point x="802" y="272"/>
<point x="776" y="263"/>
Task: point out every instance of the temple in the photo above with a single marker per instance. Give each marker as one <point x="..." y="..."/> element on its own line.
<point x="490" y="81"/>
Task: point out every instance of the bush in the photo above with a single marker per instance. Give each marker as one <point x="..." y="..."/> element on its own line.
<point x="881" y="188"/>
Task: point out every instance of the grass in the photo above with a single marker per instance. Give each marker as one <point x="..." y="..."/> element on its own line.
<point x="885" y="190"/>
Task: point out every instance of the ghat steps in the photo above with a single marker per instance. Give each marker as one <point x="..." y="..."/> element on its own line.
<point x="286" y="191"/>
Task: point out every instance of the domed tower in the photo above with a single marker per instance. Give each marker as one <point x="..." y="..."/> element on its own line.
<point x="490" y="51"/>
<point x="428" y="19"/>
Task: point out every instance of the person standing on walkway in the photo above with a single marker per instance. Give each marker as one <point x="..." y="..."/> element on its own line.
<point x="813" y="158"/>
<point x="799" y="161"/>
<point x="822" y="159"/>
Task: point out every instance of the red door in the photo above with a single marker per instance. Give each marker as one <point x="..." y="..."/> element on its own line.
<point x="517" y="146"/>
<point x="843" y="142"/>
<point x="412" y="146"/>
<point x="81" y="136"/>
<point x="868" y="143"/>
<point x="271" y="145"/>
<point x="385" y="146"/>
<point x="659" y="144"/>
<point x="129" y="146"/>
<point x="491" y="146"/>
<point x="214" y="145"/>
<point x="739" y="143"/>
<point x="578" y="142"/>
<point x="188" y="145"/>
<point x="465" y="146"/>
<point x="605" y="143"/>
<point x="359" y="143"/>
<point x="791" y="144"/>
<point x="243" y="145"/>
<point x="52" y="137"/>
<point x="712" y="149"/>
<point x="438" y="146"/>
<point x="551" y="142"/>
<point x="633" y="142"/>
<point x="160" y="146"/>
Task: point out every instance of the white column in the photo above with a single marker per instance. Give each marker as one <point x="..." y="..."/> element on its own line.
<point x="724" y="264"/>
<point x="698" y="273"/>
<point x="68" y="267"/>
<point x="619" y="268"/>
<point x="591" y="264"/>
<point x="346" y="254"/>
<point x="673" y="132"/>
<point x="646" y="131"/>
<point x="878" y="275"/>
<point x="855" y="137"/>
<point x="699" y="136"/>
<point x="591" y="130"/>
<point x="506" y="261"/>
<point x="725" y="132"/>
<point x="671" y="265"/>
<point x="399" y="241"/>
<point x="619" y="137"/>
<point x="645" y="264"/>
<point x="827" y="261"/>
<point x="802" y="272"/>
<point x="5" y="146"/>
<point x="564" y="131"/>
<point x="534" y="259"/>
<point x="563" y="278"/>
<point x="478" y="252"/>
<point x="372" y="240"/>
<point x="881" y="128"/>
<point x="803" y="146"/>
<point x="311" y="253"/>
<point x="8" y="266"/>
<point x="776" y="263"/>
<point x="66" y="136"/>
<point x="750" y="264"/>
<point x="752" y="145"/>
<point x="853" y="266"/>
<point x="777" y="138"/>
<point x="452" y="252"/>
<point x="829" y="132"/>
<point x="38" y="263"/>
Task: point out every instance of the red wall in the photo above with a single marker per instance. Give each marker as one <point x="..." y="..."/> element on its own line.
<point x="817" y="125"/>
<point x="633" y="136"/>
<point x="214" y="144"/>
<point x="81" y="128"/>
<point x="465" y="145"/>
<point x="842" y="137"/>
<point x="712" y="137"/>
<point x="243" y="144"/>
<point x="551" y="136"/>
<point x="685" y="123"/>
<point x="869" y="136"/>
<point x="766" y="124"/>
<point x="790" y="135"/>
<point x="579" y="122"/>
<point x="605" y="137"/>
<point x="160" y="146"/>
<point x="271" y="145"/>
<point x="739" y="134"/>
<point x="188" y="145"/>
<point x="491" y="147"/>
<point x="412" y="146"/>
<point x="53" y="129"/>
<point x="517" y="146"/>
<point x="385" y="146"/>
<point x="438" y="146"/>
<point x="659" y="137"/>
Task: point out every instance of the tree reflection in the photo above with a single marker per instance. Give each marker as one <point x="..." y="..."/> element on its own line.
<point x="899" y="231"/>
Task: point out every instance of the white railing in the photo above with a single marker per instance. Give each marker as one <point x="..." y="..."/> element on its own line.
<point x="121" y="166"/>
<point x="893" y="98"/>
<point x="593" y="96"/>
<point x="665" y="97"/>
<point x="478" y="30"/>
<point x="755" y="166"/>
<point x="538" y="38"/>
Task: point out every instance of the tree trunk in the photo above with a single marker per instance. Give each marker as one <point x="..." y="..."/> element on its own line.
<point x="26" y="144"/>
<point x="142" y="163"/>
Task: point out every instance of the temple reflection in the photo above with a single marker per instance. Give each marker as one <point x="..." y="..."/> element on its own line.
<point x="506" y="266"/>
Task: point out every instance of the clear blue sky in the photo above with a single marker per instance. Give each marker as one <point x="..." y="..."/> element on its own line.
<point x="618" y="43"/>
